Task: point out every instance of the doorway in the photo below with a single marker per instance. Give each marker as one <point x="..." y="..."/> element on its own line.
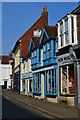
<point x="5" y="84"/>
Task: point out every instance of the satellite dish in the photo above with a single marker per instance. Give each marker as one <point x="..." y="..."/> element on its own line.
<point x="72" y="54"/>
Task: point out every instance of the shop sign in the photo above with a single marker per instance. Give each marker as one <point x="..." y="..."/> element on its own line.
<point x="64" y="58"/>
<point x="27" y="75"/>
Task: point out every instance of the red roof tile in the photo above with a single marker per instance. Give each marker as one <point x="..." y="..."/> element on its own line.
<point x="5" y="59"/>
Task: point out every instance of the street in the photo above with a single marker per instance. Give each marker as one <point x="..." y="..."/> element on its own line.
<point x="13" y="109"/>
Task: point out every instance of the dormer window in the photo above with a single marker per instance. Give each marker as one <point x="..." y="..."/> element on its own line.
<point x="37" y="33"/>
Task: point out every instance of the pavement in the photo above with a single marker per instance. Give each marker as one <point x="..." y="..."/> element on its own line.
<point x="56" y="110"/>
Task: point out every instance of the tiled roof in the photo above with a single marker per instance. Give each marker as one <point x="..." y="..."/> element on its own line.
<point x="51" y="30"/>
<point x="36" y="41"/>
<point x="5" y="59"/>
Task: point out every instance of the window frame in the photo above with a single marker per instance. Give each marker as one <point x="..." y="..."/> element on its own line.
<point x="51" y="84"/>
<point x="71" y="33"/>
<point x="37" y="83"/>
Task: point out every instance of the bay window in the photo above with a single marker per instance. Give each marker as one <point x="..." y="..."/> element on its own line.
<point x="67" y="31"/>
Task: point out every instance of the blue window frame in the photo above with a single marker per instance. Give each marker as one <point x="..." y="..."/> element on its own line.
<point x="51" y="82"/>
<point x="48" y="49"/>
<point x="34" y="57"/>
<point x="54" y="48"/>
<point x="44" y="50"/>
<point x="37" y="83"/>
<point x="39" y="55"/>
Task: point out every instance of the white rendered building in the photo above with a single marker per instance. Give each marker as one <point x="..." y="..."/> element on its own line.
<point x="5" y="71"/>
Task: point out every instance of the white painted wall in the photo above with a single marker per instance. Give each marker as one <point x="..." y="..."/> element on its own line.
<point x="5" y="72"/>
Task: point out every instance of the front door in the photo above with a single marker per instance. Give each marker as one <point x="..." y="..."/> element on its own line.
<point x="5" y="84"/>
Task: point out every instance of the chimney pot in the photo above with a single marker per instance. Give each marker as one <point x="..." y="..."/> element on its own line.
<point x="44" y="10"/>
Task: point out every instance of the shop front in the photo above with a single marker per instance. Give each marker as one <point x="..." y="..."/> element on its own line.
<point x="66" y="79"/>
<point x="45" y="83"/>
<point x="26" y="80"/>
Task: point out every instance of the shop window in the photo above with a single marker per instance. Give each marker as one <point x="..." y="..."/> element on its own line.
<point x="48" y="81"/>
<point x="67" y="80"/>
<point x="51" y="81"/>
<point x="23" y="85"/>
<point x="37" y="82"/>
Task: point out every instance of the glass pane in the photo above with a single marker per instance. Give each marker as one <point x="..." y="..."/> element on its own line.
<point x="47" y="81"/>
<point x="66" y="25"/>
<point x="48" y="54"/>
<point x="71" y="80"/>
<point x="48" y="45"/>
<point x="52" y="81"/>
<point x="61" y="28"/>
<point x="44" y="47"/>
<point x="66" y="38"/>
<point x="62" y="40"/>
<point x="64" y="80"/>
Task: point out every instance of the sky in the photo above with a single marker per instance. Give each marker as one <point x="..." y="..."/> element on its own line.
<point x="18" y="17"/>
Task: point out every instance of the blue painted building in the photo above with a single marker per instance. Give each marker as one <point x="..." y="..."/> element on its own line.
<point x="43" y="63"/>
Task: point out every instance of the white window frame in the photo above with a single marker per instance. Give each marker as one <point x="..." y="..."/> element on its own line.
<point x="69" y="31"/>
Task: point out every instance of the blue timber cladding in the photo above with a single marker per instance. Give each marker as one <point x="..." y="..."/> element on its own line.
<point x="43" y="59"/>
